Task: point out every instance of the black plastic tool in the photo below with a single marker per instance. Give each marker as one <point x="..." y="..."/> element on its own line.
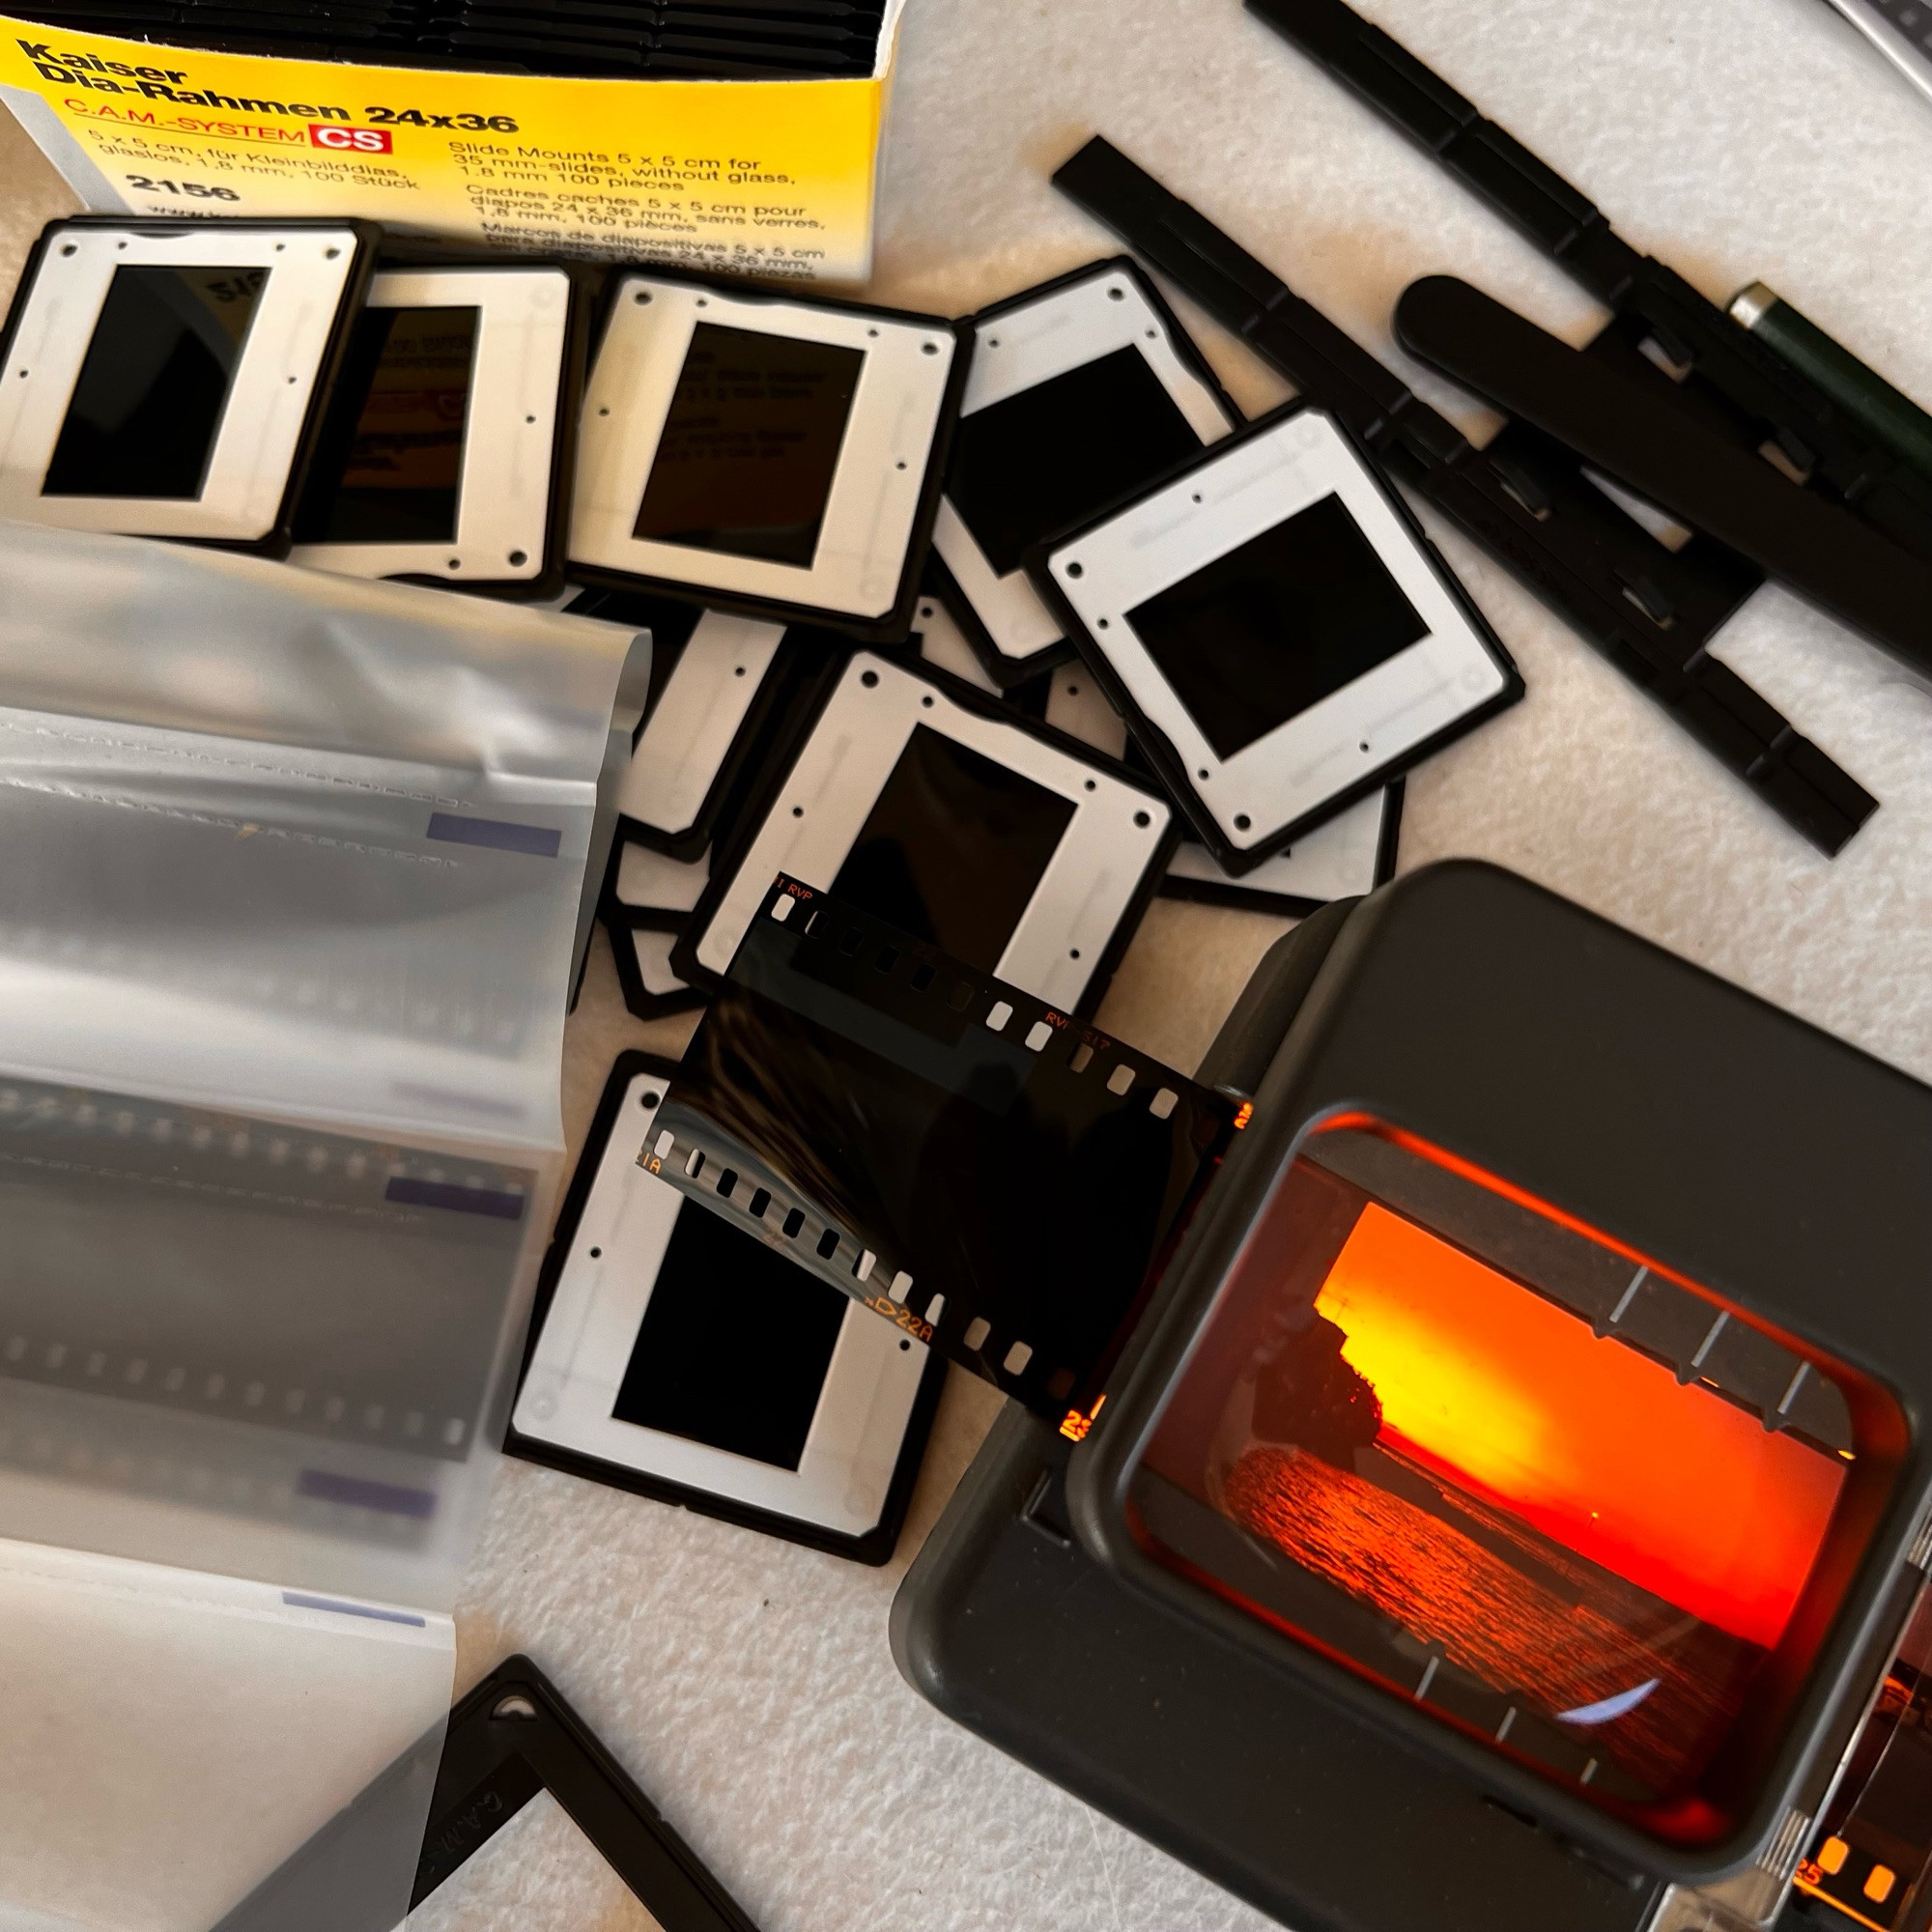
<point x="1645" y="442"/>
<point x="1771" y="400"/>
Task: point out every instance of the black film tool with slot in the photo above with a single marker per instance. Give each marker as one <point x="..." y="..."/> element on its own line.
<point x="1633" y="432"/>
<point x="1762" y="397"/>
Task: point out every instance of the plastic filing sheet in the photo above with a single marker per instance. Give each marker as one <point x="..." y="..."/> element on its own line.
<point x="294" y="864"/>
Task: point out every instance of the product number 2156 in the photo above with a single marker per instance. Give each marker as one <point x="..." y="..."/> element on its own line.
<point x="195" y="190"/>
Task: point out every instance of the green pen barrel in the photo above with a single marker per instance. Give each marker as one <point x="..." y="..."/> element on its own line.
<point x="1865" y="396"/>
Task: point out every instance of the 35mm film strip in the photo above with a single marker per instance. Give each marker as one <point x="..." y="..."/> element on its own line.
<point x="999" y="1178"/>
<point x="234" y="1270"/>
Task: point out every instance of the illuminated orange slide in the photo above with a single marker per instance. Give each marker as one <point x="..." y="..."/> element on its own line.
<point x="1590" y="1442"/>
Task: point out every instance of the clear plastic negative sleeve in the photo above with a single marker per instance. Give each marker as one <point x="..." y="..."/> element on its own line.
<point x="294" y="867"/>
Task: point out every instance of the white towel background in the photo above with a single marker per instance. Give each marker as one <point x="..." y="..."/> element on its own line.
<point x="746" y="1683"/>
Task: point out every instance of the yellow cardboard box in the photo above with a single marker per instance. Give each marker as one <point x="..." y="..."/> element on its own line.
<point x="769" y="177"/>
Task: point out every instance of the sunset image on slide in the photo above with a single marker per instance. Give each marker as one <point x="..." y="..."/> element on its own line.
<point x="1499" y="1495"/>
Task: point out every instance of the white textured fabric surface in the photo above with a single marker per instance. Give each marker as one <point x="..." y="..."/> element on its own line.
<point x="746" y="1682"/>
